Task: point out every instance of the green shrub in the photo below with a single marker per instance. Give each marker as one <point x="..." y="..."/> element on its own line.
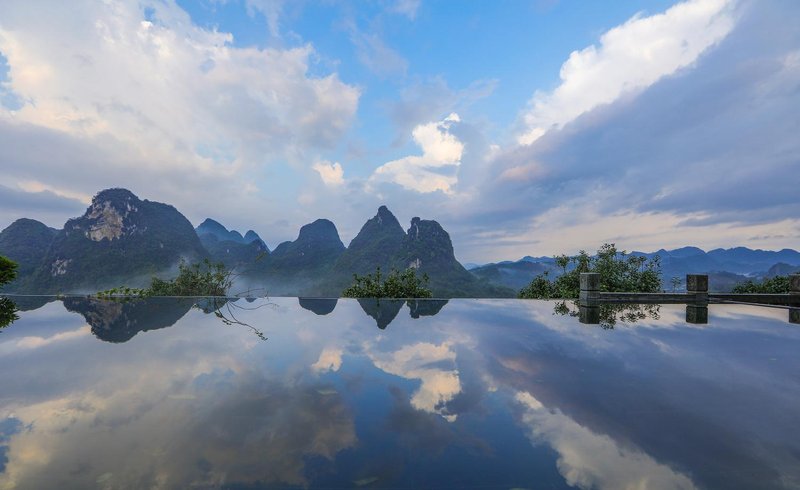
<point x="8" y="312"/>
<point x="199" y="279"/>
<point x="774" y="285"/>
<point x="618" y="272"/>
<point x="404" y="284"/>
<point x="8" y="270"/>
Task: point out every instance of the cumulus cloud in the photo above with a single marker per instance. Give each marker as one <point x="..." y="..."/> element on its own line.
<point x="630" y="57"/>
<point x="435" y="169"/>
<point x="697" y="158"/>
<point x="419" y="361"/>
<point x="154" y="94"/>
<point x="589" y="460"/>
<point x="330" y="173"/>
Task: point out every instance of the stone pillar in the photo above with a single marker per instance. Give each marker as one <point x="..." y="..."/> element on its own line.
<point x="697" y="288"/>
<point x="794" y="283"/>
<point x="590" y="289"/>
<point x="697" y="314"/>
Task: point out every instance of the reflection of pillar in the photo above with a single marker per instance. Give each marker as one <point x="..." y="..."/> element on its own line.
<point x="794" y="315"/>
<point x="589" y="314"/>
<point x="697" y="314"/>
<point x="590" y="288"/>
<point x="697" y="288"/>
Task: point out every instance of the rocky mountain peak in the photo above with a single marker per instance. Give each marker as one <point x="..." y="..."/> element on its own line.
<point x="321" y="230"/>
<point x="107" y="216"/>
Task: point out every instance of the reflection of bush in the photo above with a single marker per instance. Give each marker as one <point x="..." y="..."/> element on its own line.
<point x="8" y="312"/>
<point x="611" y="314"/>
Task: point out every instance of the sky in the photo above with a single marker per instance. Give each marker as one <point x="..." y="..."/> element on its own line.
<point x="524" y="127"/>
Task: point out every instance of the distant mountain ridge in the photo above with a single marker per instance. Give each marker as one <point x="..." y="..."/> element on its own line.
<point x="229" y="246"/>
<point x="725" y="267"/>
<point x="121" y="239"/>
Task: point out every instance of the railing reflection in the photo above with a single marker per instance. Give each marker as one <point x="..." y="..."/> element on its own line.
<point x="608" y="315"/>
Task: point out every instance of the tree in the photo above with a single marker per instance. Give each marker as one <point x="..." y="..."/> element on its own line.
<point x="199" y="279"/>
<point x="618" y="272"/>
<point x="8" y="270"/>
<point x="773" y="285"/>
<point x="404" y="284"/>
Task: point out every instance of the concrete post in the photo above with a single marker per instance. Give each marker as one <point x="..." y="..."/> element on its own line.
<point x="794" y="283"/>
<point x="589" y="315"/>
<point x="697" y="314"/>
<point x="590" y="288"/>
<point x="697" y="288"/>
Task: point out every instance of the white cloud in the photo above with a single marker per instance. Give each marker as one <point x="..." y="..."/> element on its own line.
<point x="330" y="173"/>
<point x="588" y="460"/>
<point x="330" y="359"/>
<point x="406" y="7"/>
<point x="271" y="9"/>
<point x="630" y="57"/>
<point x="432" y="171"/>
<point x="417" y="361"/>
<point x="163" y="96"/>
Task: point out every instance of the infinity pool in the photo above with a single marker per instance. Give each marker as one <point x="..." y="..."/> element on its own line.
<point x="285" y="393"/>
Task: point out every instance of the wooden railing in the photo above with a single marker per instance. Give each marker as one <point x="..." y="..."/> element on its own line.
<point x="696" y="298"/>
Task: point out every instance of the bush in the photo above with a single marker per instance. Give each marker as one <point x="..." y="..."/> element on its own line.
<point x="618" y="272"/>
<point x="8" y="270"/>
<point x="199" y="279"/>
<point x="774" y="285"/>
<point x="404" y="284"/>
<point x="8" y="312"/>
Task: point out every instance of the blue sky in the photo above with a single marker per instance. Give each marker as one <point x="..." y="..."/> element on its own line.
<point x="534" y="127"/>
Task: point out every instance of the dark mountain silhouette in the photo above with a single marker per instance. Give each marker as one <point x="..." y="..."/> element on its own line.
<point x="230" y="247"/>
<point x="425" y="307"/>
<point x="120" y="238"/>
<point x="26" y="242"/>
<point x="298" y="267"/>
<point x="120" y="321"/>
<point x="377" y="244"/>
<point x="515" y="275"/>
<point x="383" y="311"/>
<point x="320" y="306"/>
<point x="426" y="246"/>
<point x="725" y="267"/>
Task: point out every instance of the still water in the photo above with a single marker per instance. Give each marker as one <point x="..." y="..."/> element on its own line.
<point x="285" y="393"/>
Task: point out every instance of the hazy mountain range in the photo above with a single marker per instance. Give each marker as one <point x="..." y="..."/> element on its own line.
<point x="123" y="240"/>
<point x="725" y="267"/>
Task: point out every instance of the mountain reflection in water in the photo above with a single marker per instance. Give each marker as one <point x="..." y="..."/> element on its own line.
<point x="482" y="393"/>
<point x="383" y="311"/>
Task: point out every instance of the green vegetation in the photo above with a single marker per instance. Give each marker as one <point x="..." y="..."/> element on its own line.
<point x="404" y="284"/>
<point x="8" y="270"/>
<point x="618" y="272"/>
<point x="774" y="285"/>
<point x="8" y="310"/>
<point x="199" y="279"/>
<point x="611" y="314"/>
